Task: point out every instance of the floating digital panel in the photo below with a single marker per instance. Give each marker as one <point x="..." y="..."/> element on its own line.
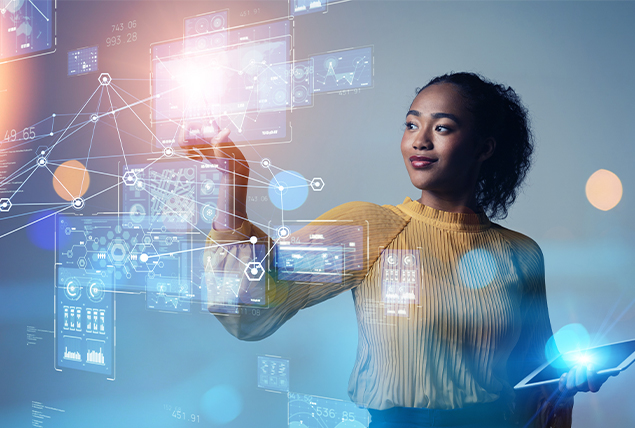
<point x="273" y="373"/>
<point x="310" y="411"/>
<point x="26" y="28"/>
<point x="302" y="83"/>
<point x="321" y="253"/>
<point x="303" y="7"/>
<point x="82" y="61"/>
<point x="139" y="257"/>
<point x="337" y="71"/>
<point x="206" y="24"/>
<point x="244" y="86"/>
<point x="178" y="195"/>
<point x="400" y="281"/>
<point x="230" y="290"/>
<point x="205" y="32"/>
<point x="84" y="300"/>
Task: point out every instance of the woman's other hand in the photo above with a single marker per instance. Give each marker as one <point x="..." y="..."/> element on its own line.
<point x="582" y="378"/>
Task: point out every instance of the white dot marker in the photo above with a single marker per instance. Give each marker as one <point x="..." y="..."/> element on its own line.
<point x="254" y="271"/>
<point x="143" y="257"/>
<point x="253" y="239"/>
<point x="281" y="188"/>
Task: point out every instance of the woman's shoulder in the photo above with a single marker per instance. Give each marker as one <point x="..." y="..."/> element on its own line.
<point x="367" y="211"/>
<point x="525" y="250"/>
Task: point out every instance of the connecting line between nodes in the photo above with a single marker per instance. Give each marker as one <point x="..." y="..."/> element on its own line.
<point x="114" y="117"/>
<point x="73" y="121"/>
<point x="198" y="249"/>
<point x="35" y="221"/>
<point x="92" y="138"/>
<point x="135" y="113"/>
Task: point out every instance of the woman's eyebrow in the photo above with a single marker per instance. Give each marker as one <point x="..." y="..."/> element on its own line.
<point x="435" y="115"/>
<point x="445" y="115"/>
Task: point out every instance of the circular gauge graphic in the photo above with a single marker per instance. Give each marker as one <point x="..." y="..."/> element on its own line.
<point x="299" y="72"/>
<point x="280" y="97"/>
<point x="96" y="290"/>
<point x="201" y="43"/>
<point x="331" y="63"/>
<point x="202" y="26"/>
<point x="139" y="184"/>
<point x="219" y="40"/>
<point x="300" y="94"/>
<point x="137" y="213"/>
<point x="208" y="213"/>
<point x="190" y="173"/>
<point x="73" y="289"/>
<point x="391" y="259"/>
<point x="207" y="187"/>
<point x="409" y="260"/>
<point x="218" y="22"/>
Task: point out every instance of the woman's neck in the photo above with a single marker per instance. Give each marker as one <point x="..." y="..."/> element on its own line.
<point x="465" y="204"/>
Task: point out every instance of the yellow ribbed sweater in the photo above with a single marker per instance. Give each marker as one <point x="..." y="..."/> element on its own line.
<point x="479" y="325"/>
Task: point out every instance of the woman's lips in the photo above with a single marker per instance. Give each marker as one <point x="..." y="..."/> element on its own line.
<point x="421" y="161"/>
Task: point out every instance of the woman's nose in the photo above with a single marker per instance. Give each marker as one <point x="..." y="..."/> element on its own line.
<point x="422" y="141"/>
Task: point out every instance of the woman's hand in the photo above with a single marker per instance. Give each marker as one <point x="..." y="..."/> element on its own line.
<point x="582" y="378"/>
<point x="232" y="195"/>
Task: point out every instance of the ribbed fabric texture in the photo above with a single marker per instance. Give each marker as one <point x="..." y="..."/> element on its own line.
<point x="478" y="324"/>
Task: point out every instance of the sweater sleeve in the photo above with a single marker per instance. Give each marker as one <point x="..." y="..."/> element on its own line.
<point x="536" y="407"/>
<point x="231" y="251"/>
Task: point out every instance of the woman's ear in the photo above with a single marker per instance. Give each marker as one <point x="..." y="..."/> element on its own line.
<point x="486" y="149"/>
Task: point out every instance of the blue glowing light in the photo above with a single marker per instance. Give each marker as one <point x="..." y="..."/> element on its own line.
<point x="288" y="190"/>
<point x="41" y="231"/>
<point x="571" y="337"/>
<point x="221" y="404"/>
<point x="477" y="268"/>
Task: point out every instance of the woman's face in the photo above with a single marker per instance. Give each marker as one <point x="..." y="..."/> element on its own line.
<point x="440" y="147"/>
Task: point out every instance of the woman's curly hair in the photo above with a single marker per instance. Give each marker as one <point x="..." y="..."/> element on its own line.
<point x="499" y="114"/>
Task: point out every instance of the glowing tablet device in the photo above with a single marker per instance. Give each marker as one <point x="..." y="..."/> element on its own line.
<point x="606" y="359"/>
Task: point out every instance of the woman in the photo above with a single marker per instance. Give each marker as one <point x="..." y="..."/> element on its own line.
<point x="478" y="322"/>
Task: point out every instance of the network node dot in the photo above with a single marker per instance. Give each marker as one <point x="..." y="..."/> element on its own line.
<point x="78" y="203"/>
<point x="253" y="239"/>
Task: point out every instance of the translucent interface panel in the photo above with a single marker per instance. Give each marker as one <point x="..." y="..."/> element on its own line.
<point x="302" y="7"/>
<point x="177" y="195"/>
<point x="238" y="286"/>
<point x="400" y="281"/>
<point x="82" y="61"/>
<point x="323" y="253"/>
<point x="26" y="27"/>
<point x="309" y="411"/>
<point x="84" y="299"/>
<point x="337" y="71"/>
<point x="302" y="83"/>
<point x="244" y="85"/>
<point x="139" y="257"/>
<point x="206" y="24"/>
<point x="273" y="373"/>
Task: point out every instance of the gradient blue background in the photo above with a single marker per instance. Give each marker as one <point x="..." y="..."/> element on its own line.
<point x="573" y="64"/>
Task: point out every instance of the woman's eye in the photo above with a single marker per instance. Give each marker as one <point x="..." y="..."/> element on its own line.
<point x="441" y="128"/>
<point x="410" y="125"/>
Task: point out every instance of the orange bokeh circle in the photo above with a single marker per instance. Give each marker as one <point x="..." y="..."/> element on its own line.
<point x="604" y="189"/>
<point x="71" y="180"/>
